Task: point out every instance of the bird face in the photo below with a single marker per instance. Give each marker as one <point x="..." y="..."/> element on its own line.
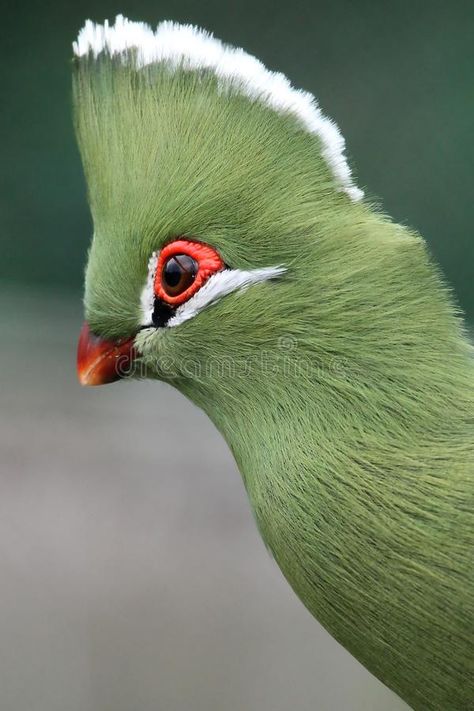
<point x="184" y="278"/>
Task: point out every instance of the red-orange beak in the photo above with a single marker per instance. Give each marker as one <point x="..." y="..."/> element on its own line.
<point x="100" y="361"/>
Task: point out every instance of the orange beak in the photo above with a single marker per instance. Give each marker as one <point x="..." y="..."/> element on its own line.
<point x="100" y="361"/>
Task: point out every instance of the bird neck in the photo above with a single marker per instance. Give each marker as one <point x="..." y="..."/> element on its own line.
<point x="331" y="447"/>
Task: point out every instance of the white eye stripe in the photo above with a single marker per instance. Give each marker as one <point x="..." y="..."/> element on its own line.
<point x="147" y="298"/>
<point x="218" y="285"/>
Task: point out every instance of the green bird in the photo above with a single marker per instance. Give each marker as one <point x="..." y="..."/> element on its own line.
<point x="234" y="257"/>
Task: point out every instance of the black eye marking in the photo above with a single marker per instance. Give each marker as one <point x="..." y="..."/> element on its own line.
<point x="161" y="313"/>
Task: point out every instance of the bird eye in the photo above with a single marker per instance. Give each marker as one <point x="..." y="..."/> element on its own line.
<point x="178" y="274"/>
<point x="183" y="267"/>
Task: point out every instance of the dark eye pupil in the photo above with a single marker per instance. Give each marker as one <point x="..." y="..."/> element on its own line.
<point x="173" y="273"/>
<point x="178" y="274"/>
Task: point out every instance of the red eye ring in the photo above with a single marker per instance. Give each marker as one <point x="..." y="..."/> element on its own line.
<point x="208" y="262"/>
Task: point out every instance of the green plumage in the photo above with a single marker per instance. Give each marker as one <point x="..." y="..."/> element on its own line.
<point x="345" y="389"/>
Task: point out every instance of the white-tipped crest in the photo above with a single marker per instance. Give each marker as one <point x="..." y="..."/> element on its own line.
<point x="193" y="48"/>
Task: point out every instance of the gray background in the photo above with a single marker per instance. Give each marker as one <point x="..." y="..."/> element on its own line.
<point x="132" y="576"/>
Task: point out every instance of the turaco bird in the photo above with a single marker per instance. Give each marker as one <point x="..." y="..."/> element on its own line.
<point x="234" y="257"/>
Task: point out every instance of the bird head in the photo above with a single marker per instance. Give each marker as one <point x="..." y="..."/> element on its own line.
<point x="222" y="205"/>
<point x="232" y="255"/>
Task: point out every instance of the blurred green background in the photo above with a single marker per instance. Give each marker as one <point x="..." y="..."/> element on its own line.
<point x="132" y="574"/>
<point x="397" y="77"/>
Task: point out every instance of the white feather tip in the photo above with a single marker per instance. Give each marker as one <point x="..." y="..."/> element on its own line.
<point x="193" y="48"/>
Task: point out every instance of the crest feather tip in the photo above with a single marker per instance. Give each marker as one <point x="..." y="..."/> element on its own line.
<point x="190" y="47"/>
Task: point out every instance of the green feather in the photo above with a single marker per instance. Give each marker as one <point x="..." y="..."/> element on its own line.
<point x="344" y="389"/>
